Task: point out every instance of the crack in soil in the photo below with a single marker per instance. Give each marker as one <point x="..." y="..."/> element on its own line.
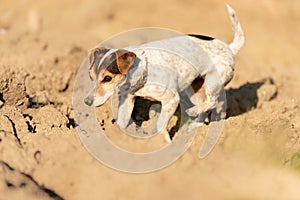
<point x="14" y="129"/>
<point x="51" y="193"/>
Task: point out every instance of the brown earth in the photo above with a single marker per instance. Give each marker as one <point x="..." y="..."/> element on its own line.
<point x="41" y="156"/>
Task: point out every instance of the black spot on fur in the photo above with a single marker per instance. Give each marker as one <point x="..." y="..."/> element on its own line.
<point x="202" y="37"/>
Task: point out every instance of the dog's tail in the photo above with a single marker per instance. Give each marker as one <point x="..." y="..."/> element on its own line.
<point x="239" y="39"/>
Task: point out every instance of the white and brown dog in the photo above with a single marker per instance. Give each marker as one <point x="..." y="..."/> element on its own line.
<point x="157" y="71"/>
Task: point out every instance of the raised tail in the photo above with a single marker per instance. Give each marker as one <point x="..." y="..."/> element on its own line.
<point x="239" y="38"/>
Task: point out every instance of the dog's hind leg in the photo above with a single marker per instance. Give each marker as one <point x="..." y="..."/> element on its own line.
<point x="196" y="112"/>
<point x="213" y="85"/>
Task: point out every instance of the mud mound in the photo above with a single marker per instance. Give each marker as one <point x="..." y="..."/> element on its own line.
<point x="12" y="88"/>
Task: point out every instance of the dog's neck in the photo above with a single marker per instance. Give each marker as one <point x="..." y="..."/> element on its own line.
<point x="137" y="75"/>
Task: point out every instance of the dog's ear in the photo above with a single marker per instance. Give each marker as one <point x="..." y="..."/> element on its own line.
<point x="97" y="53"/>
<point x="125" y="60"/>
<point x="94" y="59"/>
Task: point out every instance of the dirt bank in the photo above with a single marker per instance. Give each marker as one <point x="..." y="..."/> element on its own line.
<point x="42" y="46"/>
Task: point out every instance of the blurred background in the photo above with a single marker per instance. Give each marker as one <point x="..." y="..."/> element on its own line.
<point x="42" y="44"/>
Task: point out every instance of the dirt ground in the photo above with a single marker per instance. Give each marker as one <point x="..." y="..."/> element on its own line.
<point x="42" y="44"/>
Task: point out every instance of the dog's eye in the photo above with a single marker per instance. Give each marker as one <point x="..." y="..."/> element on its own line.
<point x="107" y="79"/>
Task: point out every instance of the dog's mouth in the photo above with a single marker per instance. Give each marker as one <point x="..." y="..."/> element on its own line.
<point x="96" y="101"/>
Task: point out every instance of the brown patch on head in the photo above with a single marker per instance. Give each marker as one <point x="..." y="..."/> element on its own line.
<point x="112" y="70"/>
<point x="94" y="59"/>
<point x="110" y="64"/>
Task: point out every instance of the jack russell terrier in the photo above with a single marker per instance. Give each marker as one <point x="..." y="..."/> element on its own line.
<point x="157" y="71"/>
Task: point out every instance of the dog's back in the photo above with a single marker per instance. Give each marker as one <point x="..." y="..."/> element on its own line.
<point x="223" y="54"/>
<point x="180" y="54"/>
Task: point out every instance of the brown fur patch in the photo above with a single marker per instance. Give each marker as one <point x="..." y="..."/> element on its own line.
<point x="125" y="60"/>
<point x="94" y="59"/>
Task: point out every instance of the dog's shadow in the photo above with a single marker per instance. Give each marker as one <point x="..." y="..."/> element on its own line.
<point x="242" y="99"/>
<point x="239" y="101"/>
<point x="245" y="98"/>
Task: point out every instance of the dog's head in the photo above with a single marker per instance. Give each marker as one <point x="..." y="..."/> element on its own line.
<point x="107" y="71"/>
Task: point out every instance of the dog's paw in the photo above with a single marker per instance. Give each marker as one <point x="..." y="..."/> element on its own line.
<point x="122" y="123"/>
<point x="154" y="110"/>
<point x="194" y="125"/>
<point x="166" y="136"/>
<point x="194" y="111"/>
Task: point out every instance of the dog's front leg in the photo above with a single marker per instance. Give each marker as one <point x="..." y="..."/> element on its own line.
<point x="126" y="104"/>
<point x="169" y="105"/>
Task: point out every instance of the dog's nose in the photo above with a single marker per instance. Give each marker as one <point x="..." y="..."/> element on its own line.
<point x="88" y="101"/>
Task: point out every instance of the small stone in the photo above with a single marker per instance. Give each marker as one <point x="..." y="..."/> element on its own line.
<point x="39" y="99"/>
<point x="37" y="156"/>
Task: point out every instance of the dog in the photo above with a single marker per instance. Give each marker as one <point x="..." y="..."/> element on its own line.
<point x="136" y="70"/>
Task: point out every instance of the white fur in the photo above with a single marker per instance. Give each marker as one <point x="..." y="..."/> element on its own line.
<point x="164" y="68"/>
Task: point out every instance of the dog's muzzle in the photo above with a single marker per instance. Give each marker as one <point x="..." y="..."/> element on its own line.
<point x="88" y="101"/>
